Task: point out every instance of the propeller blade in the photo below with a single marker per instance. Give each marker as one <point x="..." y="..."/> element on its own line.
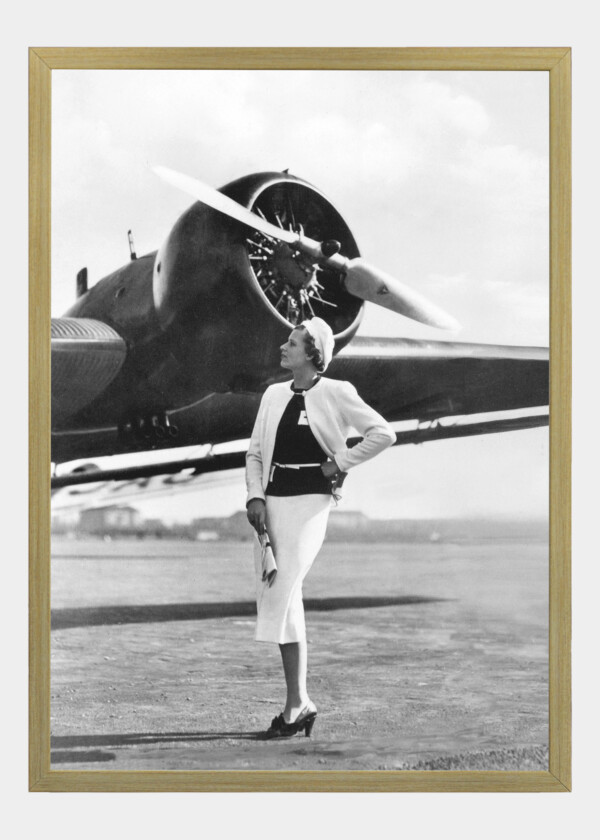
<point x="224" y="204"/>
<point x="369" y="283"/>
<point x="361" y="279"/>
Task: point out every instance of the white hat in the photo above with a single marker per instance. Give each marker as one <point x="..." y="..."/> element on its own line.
<point x="323" y="336"/>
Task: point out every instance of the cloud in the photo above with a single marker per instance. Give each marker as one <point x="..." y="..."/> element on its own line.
<point x="434" y="108"/>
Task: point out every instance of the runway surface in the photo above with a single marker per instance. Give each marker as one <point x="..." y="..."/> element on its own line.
<point x="423" y="656"/>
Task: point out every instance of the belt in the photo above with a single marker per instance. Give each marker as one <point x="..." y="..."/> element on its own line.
<point x="294" y="466"/>
<point x="288" y="467"/>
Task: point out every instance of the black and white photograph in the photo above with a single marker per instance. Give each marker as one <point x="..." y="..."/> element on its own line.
<point x="300" y="453"/>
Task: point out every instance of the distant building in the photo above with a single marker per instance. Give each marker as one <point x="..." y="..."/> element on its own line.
<point x="155" y="528"/>
<point x="349" y="520"/>
<point x="65" y="521"/>
<point x="207" y="536"/>
<point x="111" y="520"/>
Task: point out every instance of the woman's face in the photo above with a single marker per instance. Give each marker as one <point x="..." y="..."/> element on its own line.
<point x="293" y="352"/>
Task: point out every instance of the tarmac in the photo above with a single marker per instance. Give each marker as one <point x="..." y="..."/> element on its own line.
<point x="421" y="656"/>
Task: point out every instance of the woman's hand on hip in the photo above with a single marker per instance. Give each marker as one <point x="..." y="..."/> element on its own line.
<point x="329" y="469"/>
<point x="256" y="513"/>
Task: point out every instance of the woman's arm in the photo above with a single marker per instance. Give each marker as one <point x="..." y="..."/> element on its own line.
<point x="254" y="462"/>
<point x="255" y="503"/>
<point x="376" y="431"/>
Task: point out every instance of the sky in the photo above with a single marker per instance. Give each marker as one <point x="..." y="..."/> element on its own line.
<point x="442" y="178"/>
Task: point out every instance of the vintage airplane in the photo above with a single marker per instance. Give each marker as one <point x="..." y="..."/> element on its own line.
<point x="175" y="348"/>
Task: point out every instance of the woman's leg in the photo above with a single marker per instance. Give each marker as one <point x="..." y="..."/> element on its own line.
<point x="294" y="658"/>
<point x="297" y="528"/>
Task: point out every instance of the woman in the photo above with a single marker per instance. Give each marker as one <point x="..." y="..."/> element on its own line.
<point x="297" y="451"/>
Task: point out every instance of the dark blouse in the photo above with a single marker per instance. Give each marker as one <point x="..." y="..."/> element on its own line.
<point x="296" y="444"/>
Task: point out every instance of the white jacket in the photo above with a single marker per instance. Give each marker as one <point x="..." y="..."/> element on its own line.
<point x="333" y="408"/>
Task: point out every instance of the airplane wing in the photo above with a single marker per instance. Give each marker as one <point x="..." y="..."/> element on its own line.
<point x="404" y="379"/>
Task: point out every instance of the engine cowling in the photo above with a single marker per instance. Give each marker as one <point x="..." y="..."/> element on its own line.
<point x="229" y="295"/>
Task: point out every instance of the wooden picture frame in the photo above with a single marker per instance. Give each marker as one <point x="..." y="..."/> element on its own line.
<point x="554" y="61"/>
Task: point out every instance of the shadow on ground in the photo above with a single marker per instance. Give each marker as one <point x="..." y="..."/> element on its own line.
<point x="78" y="749"/>
<point x="124" y="739"/>
<point x="80" y="756"/>
<point x="63" y="619"/>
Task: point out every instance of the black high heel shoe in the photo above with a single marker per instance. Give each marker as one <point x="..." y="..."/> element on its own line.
<point x="281" y="729"/>
<point x="307" y="723"/>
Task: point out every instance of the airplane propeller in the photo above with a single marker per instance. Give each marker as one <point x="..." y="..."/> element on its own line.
<point x="360" y="278"/>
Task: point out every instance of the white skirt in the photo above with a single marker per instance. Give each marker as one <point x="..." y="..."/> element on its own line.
<point x="296" y="527"/>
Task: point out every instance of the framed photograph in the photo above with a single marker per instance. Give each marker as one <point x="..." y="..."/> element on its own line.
<point x="213" y="234"/>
